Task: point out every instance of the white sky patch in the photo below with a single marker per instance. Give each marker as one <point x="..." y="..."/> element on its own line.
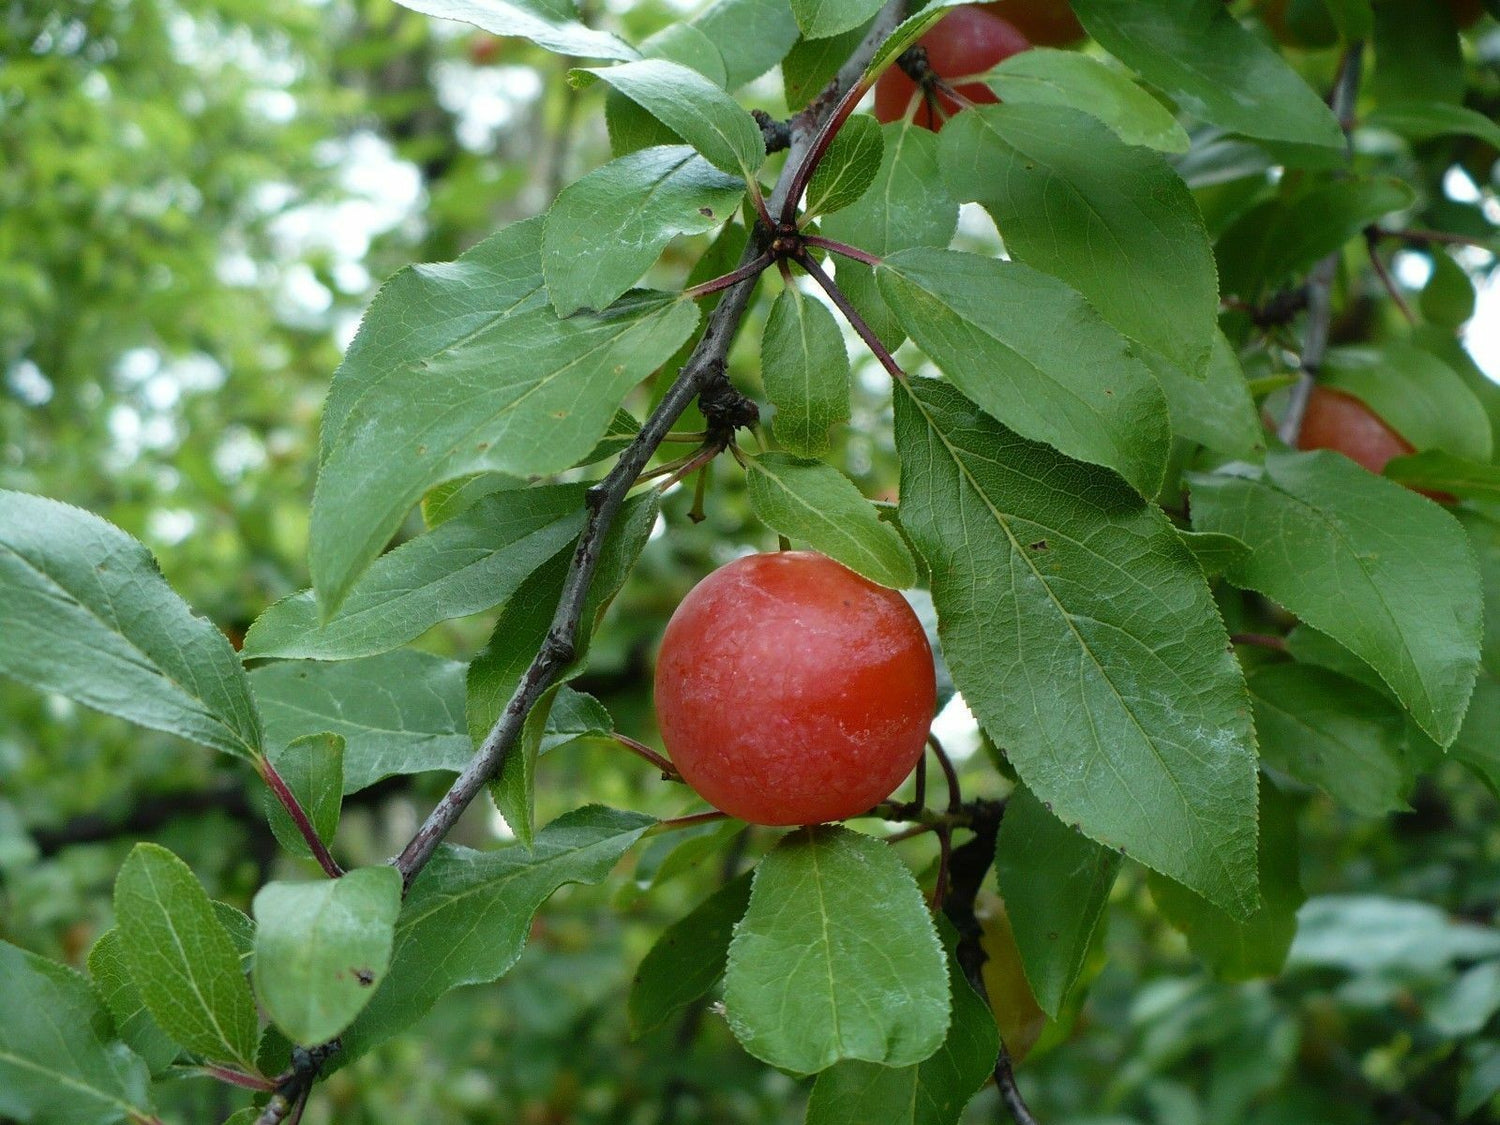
<point x="170" y="526"/>
<point x="27" y="382"/>
<point x="484" y="99"/>
<point x="957" y="729"/>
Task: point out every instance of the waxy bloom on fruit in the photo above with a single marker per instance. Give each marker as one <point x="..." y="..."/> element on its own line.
<point x="790" y="690"/>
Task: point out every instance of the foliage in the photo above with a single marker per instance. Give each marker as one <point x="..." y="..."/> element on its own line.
<point x="1235" y="751"/>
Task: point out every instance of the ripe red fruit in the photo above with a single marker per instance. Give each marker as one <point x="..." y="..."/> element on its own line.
<point x="965" y="42"/>
<point x="1047" y="23"/>
<point x="789" y="690"/>
<point x="1341" y="422"/>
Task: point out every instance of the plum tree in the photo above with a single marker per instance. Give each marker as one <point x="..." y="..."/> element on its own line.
<point x="965" y="42"/>
<point x="790" y="690"/>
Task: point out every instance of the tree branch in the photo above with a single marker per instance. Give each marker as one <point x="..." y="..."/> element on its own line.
<point x="705" y="365"/>
<point x="1320" y="283"/>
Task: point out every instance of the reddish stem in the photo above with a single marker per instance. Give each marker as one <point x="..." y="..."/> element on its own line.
<point x="955" y="797"/>
<point x="819" y="149"/>
<point x="733" y="277"/>
<point x="299" y="817"/>
<point x="679" y="822"/>
<point x="851" y="314"/>
<point x="842" y="248"/>
<point x="238" y="1078"/>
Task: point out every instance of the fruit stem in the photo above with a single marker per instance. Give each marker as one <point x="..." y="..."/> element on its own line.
<point x="677" y="823"/>
<point x="668" y="770"/>
<point x="1372" y="239"/>
<point x="955" y="795"/>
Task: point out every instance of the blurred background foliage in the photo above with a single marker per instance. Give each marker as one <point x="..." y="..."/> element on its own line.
<point x="196" y="201"/>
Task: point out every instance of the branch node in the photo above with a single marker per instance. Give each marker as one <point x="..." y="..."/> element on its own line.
<point x="776" y="134"/>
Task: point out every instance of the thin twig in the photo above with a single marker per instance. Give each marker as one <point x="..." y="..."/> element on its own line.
<point x="232" y="1077"/>
<point x="842" y="248"/>
<point x="299" y="817"/>
<point x="1320" y="283"/>
<point x="851" y="314"/>
<point x="1005" y="1082"/>
<point x="1444" y="237"/>
<point x="705" y="365"/>
<point x="733" y="277"/>
<point x="1372" y="238"/>
<point x="955" y="796"/>
<point x="1260" y="640"/>
<point x="945" y="851"/>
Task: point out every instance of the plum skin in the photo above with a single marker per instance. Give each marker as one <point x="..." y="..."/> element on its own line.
<point x="1339" y="421"/>
<point x="790" y="690"/>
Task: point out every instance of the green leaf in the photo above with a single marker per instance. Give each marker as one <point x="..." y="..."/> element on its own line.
<point x="812" y="63"/>
<point x="1383" y="571"/>
<point x="1112" y="220"/>
<point x="814" y="502"/>
<point x="1214" y="552"/>
<point x="1334" y="733"/>
<point x="689" y="104"/>
<point x="471" y="562"/>
<point x="1481" y="1079"/>
<point x="688" y="959"/>
<point x="1216" y="411"/>
<point x="552" y="24"/>
<point x="132" y="1022"/>
<point x="313" y="768"/>
<point x="606" y="229"/>
<point x="1242" y="949"/>
<point x="514" y="790"/>
<point x="848" y="168"/>
<point x="88" y="615"/>
<point x="993" y="328"/>
<point x="1418" y="55"/>
<point x="1083" y="635"/>
<point x="805" y="369"/>
<point x="1055" y="883"/>
<point x="836" y="958"/>
<point x="1468" y="1003"/>
<point x="182" y="960"/>
<point x="1418" y="395"/>
<point x="1282" y="237"/>
<point x="1377" y="934"/>
<point x="1420" y="121"/>
<point x="906" y="34"/>
<point x="906" y="205"/>
<point x="464" y="367"/>
<point x="1448" y="299"/>
<point x="820" y="19"/>
<point x="322" y="949"/>
<point x="752" y="35"/>
<point x="1045" y="76"/>
<point x="399" y="713"/>
<point x="1197" y="52"/>
<point x="632" y="128"/>
<point x="60" y="1063"/>
<point x="934" y="1091"/>
<point x="467" y="915"/>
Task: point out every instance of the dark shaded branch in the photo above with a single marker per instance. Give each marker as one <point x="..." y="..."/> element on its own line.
<point x="704" y="366"/>
<point x="146" y="815"/>
<point x="776" y="134"/>
<point x="1320" y="283"/>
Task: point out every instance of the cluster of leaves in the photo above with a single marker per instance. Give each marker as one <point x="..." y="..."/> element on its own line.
<point x="1169" y="626"/>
